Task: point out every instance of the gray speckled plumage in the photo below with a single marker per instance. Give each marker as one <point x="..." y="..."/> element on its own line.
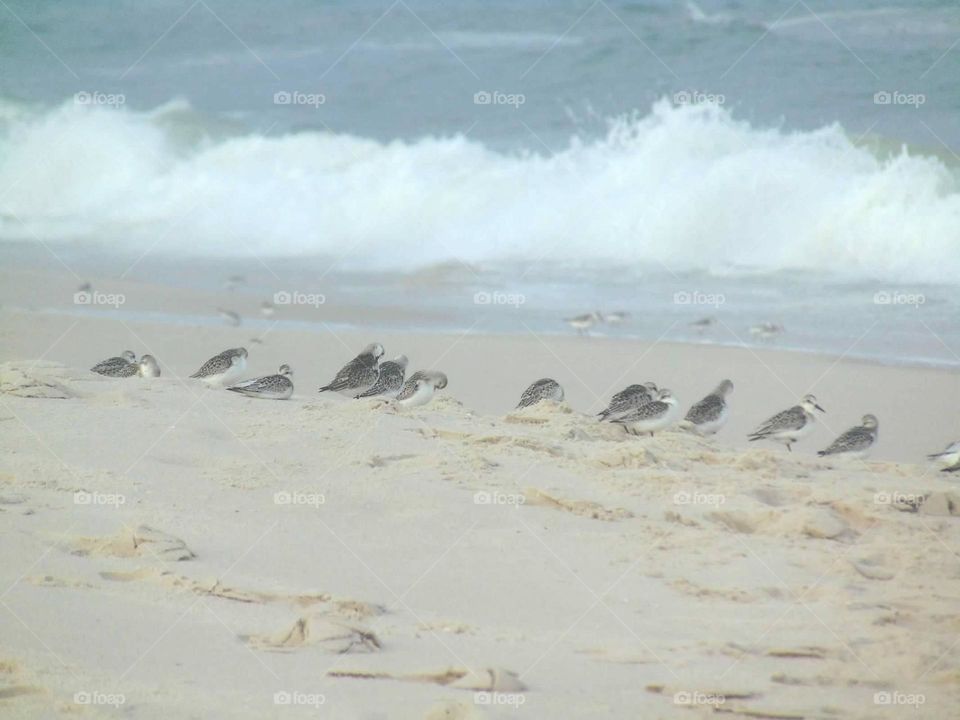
<point x="709" y="414"/>
<point x="219" y="364"/>
<point x="707" y="410"/>
<point x="790" y="425"/>
<point x="543" y="389"/>
<point x="628" y="399"/>
<point x="389" y="381"/>
<point x="791" y="419"/>
<point x="856" y="440"/>
<point x="648" y="411"/>
<point x="358" y="374"/>
<point x="274" y="387"/>
<point x="949" y="458"/>
<point x="116" y="366"/>
<point x="438" y="379"/>
<point x="652" y="416"/>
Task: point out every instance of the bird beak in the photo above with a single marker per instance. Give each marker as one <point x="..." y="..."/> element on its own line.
<point x="819" y="408"/>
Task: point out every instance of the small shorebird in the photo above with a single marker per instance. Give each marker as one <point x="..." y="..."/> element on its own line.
<point x="272" y="387"/>
<point x="420" y="387"/>
<point x="949" y="458"/>
<point x="390" y="379"/>
<point x="710" y="414"/>
<point x="267" y="308"/>
<point x="766" y="330"/>
<point x="616" y="318"/>
<point x="630" y="398"/>
<point x="703" y="324"/>
<point x="230" y="316"/>
<point x="148" y="366"/>
<point x="234" y="281"/>
<point x="223" y="368"/>
<point x="856" y="441"/>
<point x="359" y="374"/>
<point x="543" y="389"/>
<point x="790" y="425"/>
<point x="123" y="366"/>
<point x="651" y="417"/>
<point x="583" y="323"/>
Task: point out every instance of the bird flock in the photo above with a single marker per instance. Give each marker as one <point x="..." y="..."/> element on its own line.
<point x="640" y="409"/>
<point x="363" y="377"/>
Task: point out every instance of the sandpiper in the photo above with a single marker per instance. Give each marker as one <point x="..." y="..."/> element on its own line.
<point x="790" y="425"/>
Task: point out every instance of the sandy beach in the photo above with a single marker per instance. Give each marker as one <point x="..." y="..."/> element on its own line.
<point x="172" y="550"/>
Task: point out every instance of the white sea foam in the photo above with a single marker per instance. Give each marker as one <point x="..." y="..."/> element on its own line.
<point x="686" y="187"/>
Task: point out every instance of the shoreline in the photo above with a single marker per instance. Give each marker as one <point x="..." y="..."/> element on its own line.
<point x="318" y="327"/>
<point x="356" y="307"/>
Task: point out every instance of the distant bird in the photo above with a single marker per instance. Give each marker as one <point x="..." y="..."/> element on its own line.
<point x="790" y="425"/>
<point x="230" y="316"/>
<point x="359" y="374"/>
<point x="148" y="366"/>
<point x="256" y="341"/>
<point x="616" y="318"/>
<point x="766" y="330"/>
<point x="703" y="324"/>
<point x="85" y="287"/>
<point x="710" y="414"/>
<point x="267" y="308"/>
<point x="651" y="417"/>
<point x="949" y="458"/>
<point x="630" y="398"/>
<point x="583" y="323"/>
<point x="235" y="281"/>
<point x="420" y="388"/>
<point x="223" y="368"/>
<point x="544" y="389"/>
<point x="856" y="441"/>
<point x="123" y="366"/>
<point x="390" y="379"/>
<point x="270" y="387"/>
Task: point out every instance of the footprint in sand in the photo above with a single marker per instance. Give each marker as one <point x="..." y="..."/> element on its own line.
<point x="145" y="541"/>
<point x="331" y="634"/>
<point x="38" y="380"/>
<point x="342" y="607"/>
<point x="451" y="710"/>
<point x="583" y="508"/>
<point x="942" y="504"/>
<point x="12" y="685"/>
<point x="492" y="679"/>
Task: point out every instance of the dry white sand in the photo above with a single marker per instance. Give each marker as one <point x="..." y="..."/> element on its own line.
<point x="193" y="553"/>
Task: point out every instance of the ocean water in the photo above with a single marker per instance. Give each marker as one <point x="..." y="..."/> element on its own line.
<point x="767" y="161"/>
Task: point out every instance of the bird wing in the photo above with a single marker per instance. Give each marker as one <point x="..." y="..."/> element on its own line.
<point x="534" y="393"/>
<point x="410" y="386"/>
<point x="706" y="410"/>
<point x="644" y="412"/>
<point x="858" y="438"/>
<point x="792" y="419"/>
<point x="390" y="372"/>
